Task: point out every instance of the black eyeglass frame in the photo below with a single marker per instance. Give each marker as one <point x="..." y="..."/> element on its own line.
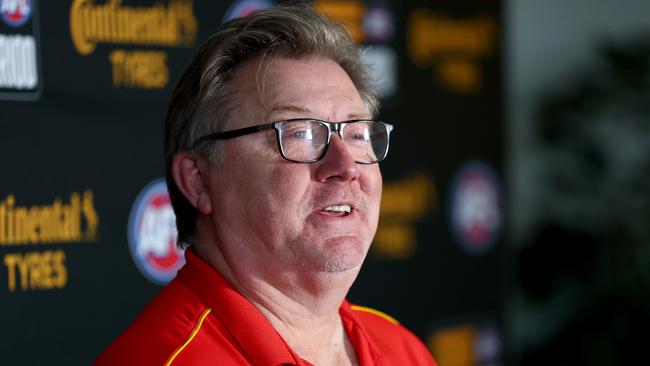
<point x="337" y="127"/>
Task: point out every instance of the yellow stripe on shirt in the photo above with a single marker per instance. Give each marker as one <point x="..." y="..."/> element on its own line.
<point x="376" y="312"/>
<point x="190" y="338"/>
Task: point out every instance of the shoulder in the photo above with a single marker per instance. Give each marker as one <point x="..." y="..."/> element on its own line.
<point x="393" y="341"/>
<point x="172" y="329"/>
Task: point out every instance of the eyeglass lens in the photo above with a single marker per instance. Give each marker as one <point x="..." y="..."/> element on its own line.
<point x="306" y="141"/>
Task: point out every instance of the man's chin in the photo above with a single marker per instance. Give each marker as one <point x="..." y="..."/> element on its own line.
<point x="342" y="268"/>
<point x="348" y="262"/>
<point x="340" y="254"/>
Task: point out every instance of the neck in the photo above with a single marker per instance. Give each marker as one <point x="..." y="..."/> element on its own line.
<point x="302" y="306"/>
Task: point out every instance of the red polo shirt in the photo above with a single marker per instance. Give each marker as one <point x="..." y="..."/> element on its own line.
<point x="200" y="319"/>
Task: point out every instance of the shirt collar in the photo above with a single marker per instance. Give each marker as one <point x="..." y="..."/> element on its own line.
<point x="367" y="351"/>
<point x="254" y="333"/>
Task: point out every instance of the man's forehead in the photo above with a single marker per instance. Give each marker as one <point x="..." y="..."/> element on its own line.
<point x="283" y="88"/>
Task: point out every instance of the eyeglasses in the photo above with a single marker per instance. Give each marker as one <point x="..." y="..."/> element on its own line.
<point x="305" y="140"/>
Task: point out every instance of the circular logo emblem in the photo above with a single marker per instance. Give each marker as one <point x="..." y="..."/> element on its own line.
<point x="243" y="8"/>
<point x="378" y="23"/>
<point x="152" y="234"/>
<point x="16" y="12"/>
<point x="475" y="207"/>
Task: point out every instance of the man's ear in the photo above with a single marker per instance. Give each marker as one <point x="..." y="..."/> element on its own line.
<point x="190" y="172"/>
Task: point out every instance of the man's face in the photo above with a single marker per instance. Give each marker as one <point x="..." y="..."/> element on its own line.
<point x="273" y="213"/>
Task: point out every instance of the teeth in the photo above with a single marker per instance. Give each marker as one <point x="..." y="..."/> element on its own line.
<point x="338" y="208"/>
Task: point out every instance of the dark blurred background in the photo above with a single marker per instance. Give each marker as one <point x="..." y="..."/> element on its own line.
<point x="578" y="76"/>
<point x="515" y="225"/>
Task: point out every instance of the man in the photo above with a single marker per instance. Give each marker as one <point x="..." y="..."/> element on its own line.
<point x="272" y="169"/>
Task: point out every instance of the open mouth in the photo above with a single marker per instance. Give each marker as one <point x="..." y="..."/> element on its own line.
<point x="337" y="210"/>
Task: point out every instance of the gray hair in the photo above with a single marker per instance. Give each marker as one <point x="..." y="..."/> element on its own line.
<point x="200" y="99"/>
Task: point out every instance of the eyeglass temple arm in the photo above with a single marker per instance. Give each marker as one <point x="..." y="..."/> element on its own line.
<point x="233" y="133"/>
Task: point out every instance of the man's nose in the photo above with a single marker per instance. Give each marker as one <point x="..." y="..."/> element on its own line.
<point x="337" y="163"/>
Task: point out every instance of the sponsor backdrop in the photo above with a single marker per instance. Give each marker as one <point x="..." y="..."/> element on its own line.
<point x="86" y="228"/>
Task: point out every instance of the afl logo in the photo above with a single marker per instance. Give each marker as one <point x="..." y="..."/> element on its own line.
<point x="243" y="8"/>
<point x="16" y="12"/>
<point x="152" y="234"/>
<point x="475" y="207"/>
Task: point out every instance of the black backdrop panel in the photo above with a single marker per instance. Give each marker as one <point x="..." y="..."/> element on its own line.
<point x="82" y="102"/>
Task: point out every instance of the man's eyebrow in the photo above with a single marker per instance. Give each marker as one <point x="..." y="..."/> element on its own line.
<point x="289" y="108"/>
<point x="358" y="116"/>
<point x="305" y="110"/>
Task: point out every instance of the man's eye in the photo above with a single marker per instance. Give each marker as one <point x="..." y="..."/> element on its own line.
<point x="358" y="137"/>
<point x="302" y="135"/>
